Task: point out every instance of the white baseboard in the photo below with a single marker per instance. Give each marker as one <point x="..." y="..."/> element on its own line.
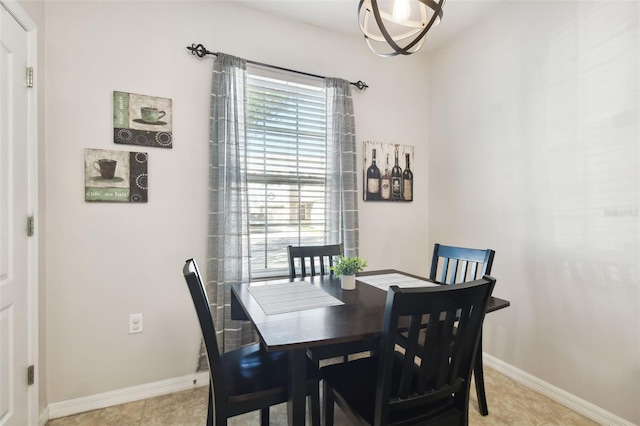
<point x="44" y="417"/>
<point x="122" y="396"/>
<point x="571" y="401"/>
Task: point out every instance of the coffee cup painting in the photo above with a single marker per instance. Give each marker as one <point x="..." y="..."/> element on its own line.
<point x="142" y="120"/>
<point x="115" y="176"/>
<point x="151" y="115"/>
<point x="106" y="167"/>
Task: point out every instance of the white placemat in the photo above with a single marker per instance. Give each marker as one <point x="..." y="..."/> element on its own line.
<point x="384" y="281"/>
<point x="289" y="297"/>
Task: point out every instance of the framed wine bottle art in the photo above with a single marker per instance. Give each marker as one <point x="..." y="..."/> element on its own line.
<point x="387" y="173"/>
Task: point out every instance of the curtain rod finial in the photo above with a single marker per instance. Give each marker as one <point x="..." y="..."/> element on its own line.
<point x="198" y="50"/>
<point x="361" y="85"/>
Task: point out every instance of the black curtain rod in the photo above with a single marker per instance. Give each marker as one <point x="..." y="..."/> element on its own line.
<point x="201" y="52"/>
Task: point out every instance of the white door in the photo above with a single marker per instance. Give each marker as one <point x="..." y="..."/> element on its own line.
<point x="14" y="174"/>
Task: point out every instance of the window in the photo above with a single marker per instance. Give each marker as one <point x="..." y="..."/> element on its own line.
<point x="286" y="168"/>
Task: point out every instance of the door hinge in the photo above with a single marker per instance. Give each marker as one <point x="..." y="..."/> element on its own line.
<point x="31" y="375"/>
<point x="30" y="77"/>
<point x="31" y="227"/>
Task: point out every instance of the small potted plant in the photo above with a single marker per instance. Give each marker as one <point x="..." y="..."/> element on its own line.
<point x="346" y="268"/>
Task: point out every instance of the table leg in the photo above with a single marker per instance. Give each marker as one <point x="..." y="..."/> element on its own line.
<point x="297" y="384"/>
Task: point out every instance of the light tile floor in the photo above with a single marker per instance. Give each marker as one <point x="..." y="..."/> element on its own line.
<point x="509" y="404"/>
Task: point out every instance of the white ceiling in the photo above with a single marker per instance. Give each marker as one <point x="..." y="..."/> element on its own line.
<point x="342" y="15"/>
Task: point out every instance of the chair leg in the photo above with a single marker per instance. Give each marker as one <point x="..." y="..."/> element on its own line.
<point x="264" y="416"/>
<point x="314" y="405"/>
<point x="327" y="404"/>
<point x="478" y="373"/>
<point x="210" y="412"/>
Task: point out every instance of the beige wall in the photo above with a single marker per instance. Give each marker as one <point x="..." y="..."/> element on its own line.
<point x="534" y="152"/>
<point x="106" y="261"/>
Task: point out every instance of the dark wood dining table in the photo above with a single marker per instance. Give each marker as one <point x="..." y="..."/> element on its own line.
<point x="359" y="318"/>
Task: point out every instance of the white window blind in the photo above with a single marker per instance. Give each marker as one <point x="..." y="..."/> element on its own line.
<point x="286" y="168"/>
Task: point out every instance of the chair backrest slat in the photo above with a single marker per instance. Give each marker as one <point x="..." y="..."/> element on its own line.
<point x="436" y="364"/>
<point x="320" y="255"/>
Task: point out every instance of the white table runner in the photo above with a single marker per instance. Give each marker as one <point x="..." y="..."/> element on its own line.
<point x="289" y="297"/>
<point x="384" y="281"/>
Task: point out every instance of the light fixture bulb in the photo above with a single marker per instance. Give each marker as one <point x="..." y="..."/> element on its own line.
<point x="401" y="30"/>
<point x="401" y="11"/>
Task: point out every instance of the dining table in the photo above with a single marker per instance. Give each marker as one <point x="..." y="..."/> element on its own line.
<point x="298" y="314"/>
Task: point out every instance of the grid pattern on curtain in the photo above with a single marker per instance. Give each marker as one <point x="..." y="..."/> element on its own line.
<point x="341" y="192"/>
<point x="227" y="246"/>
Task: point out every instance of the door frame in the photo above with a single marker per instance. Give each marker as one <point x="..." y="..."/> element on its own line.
<point x="32" y="187"/>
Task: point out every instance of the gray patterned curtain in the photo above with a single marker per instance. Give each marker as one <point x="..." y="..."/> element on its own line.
<point x="228" y="239"/>
<point x="342" y="193"/>
<point x="228" y="236"/>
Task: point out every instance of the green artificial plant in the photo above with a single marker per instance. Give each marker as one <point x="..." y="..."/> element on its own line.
<point x="348" y="265"/>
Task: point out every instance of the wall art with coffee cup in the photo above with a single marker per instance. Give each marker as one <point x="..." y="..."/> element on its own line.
<point x="142" y="120"/>
<point x="115" y="176"/>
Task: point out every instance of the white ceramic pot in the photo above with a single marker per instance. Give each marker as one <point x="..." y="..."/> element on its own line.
<point x="348" y="282"/>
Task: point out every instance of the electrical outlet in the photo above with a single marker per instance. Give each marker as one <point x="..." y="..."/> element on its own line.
<point x="135" y="323"/>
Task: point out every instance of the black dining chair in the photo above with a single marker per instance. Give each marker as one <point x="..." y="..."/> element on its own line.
<point x="428" y="383"/>
<point x="453" y="265"/>
<point x="312" y="260"/>
<point x="245" y="379"/>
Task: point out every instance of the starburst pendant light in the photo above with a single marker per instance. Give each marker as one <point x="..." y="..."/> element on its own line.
<point x="397" y="27"/>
